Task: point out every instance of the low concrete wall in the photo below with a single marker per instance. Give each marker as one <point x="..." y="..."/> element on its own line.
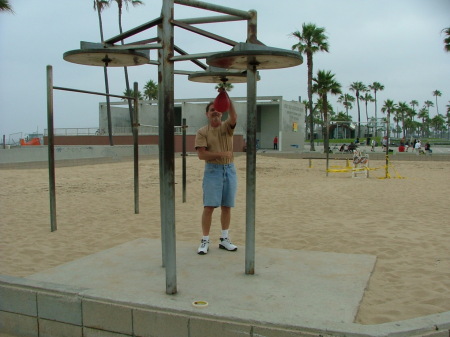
<point x="34" y="308"/>
<point x="26" y="154"/>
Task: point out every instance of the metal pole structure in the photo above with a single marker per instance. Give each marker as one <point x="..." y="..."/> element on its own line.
<point x="251" y="172"/>
<point x="135" y="129"/>
<point x="387" y="142"/>
<point x="166" y="137"/>
<point x="108" y="107"/>
<point x="51" y="149"/>
<point x="250" y="213"/>
<point x="161" y="147"/>
<point x="184" y="159"/>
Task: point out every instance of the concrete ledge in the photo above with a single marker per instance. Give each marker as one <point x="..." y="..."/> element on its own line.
<point x="36" y="308"/>
<point x="40" y="153"/>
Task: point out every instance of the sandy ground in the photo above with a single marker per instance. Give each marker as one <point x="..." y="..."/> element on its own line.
<point x="404" y="222"/>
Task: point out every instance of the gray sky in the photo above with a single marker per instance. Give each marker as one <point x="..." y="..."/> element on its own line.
<point x="397" y="43"/>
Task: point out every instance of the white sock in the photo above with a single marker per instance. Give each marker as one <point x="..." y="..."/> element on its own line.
<point x="206" y="238"/>
<point x="224" y="233"/>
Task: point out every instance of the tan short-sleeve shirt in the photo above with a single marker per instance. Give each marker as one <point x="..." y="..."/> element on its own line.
<point x="219" y="139"/>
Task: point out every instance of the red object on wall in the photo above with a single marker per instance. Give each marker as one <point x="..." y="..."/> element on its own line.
<point x="222" y="101"/>
<point x="33" y="141"/>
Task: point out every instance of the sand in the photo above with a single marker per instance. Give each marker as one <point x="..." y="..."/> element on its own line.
<point x="404" y="222"/>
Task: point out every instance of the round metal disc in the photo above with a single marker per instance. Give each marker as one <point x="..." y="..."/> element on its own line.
<point x="262" y="59"/>
<point x="219" y="77"/>
<point x="108" y="57"/>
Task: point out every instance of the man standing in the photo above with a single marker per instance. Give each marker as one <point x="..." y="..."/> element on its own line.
<point x="214" y="145"/>
<point x="275" y="143"/>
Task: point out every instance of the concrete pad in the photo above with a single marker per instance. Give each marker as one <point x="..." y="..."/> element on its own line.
<point x="289" y="287"/>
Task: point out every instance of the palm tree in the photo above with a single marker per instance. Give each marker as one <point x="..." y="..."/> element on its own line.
<point x="358" y="87"/>
<point x="311" y="40"/>
<point x="130" y="93"/>
<point x="437" y="94"/>
<point x="447" y="39"/>
<point x="325" y="83"/>
<point x="367" y="98"/>
<point x="376" y="86"/>
<point x="151" y="90"/>
<point x="402" y="110"/>
<point x="388" y="107"/>
<point x="99" y="6"/>
<point x="425" y="116"/>
<point x="125" y="70"/>
<point x="5" y="6"/>
<point x="346" y="100"/>
<point x="413" y="104"/>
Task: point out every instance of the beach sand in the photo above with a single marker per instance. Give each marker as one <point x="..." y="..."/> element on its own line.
<point x="404" y="222"/>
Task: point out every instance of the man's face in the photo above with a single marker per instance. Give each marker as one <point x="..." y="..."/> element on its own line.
<point x="213" y="115"/>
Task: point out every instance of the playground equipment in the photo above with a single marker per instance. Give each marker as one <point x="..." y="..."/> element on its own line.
<point x="360" y="164"/>
<point x="243" y="58"/>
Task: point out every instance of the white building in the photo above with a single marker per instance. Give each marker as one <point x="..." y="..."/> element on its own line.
<point x="275" y="117"/>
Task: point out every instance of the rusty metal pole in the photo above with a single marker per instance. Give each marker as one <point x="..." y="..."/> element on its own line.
<point x="184" y="158"/>
<point x="51" y="149"/>
<point x="166" y="137"/>
<point x="251" y="157"/>
<point x="161" y="146"/>
<point x="135" y="129"/>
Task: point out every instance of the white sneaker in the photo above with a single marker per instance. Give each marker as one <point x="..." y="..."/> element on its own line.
<point x="226" y="244"/>
<point x="203" y="248"/>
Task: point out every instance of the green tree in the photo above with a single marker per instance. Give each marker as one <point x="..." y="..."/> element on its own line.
<point x="446" y="31"/>
<point x="5" y="6"/>
<point x="358" y="87"/>
<point x="99" y="6"/>
<point x="346" y="100"/>
<point x="388" y="107"/>
<point x="130" y="93"/>
<point x="424" y="115"/>
<point x="402" y="110"/>
<point x="438" y="124"/>
<point x="312" y="39"/>
<point x="376" y="86"/>
<point x="366" y="98"/>
<point x="413" y="104"/>
<point x="151" y="90"/>
<point x="428" y="104"/>
<point x="437" y="94"/>
<point x="325" y="83"/>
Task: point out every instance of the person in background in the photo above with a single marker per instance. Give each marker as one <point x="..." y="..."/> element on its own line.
<point x="275" y="143"/>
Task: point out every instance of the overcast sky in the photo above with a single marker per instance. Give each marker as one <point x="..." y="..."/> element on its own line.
<point x="398" y="43"/>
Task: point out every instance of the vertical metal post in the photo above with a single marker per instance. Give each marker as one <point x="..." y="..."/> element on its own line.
<point x="166" y="127"/>
<point x="51" y="149"/>
<point x="135" y="129"/>
<point x="251" y="154"/>
<point x="161" y="147"/>
<point x="184" y="159"/>
<point x="251" y="172"/>
<point x="387" y="143"/>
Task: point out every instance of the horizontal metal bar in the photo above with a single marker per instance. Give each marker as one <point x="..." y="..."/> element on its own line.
<point x="215" y="8"/>
<point x="195" y="61"/>
<point x="137" y="46"/>
<point x="183" y="72"/>
<point x="204" y="33"/>
<point x="211" y="19"/>
<point x="191" y="56"/>
<point x="134" y="31"/>
<point x="92" y="92"/>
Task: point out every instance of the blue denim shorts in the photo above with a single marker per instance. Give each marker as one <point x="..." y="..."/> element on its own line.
<point x="219" y="185"/>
